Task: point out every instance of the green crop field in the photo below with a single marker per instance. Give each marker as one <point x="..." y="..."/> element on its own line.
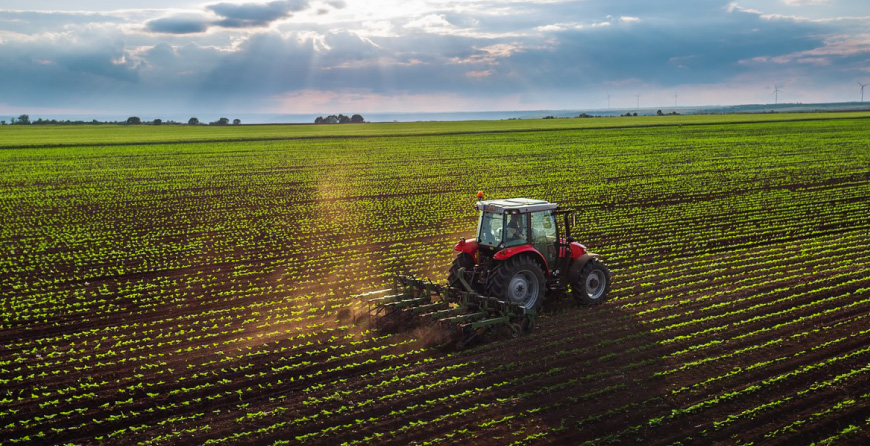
<point x="194" y="285"/>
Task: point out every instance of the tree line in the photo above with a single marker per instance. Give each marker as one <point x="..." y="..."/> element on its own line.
<point x="132" y="120"/>
<point x="340" y="119"/>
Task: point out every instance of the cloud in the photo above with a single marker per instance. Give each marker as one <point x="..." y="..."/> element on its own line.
<point x="480" y="74"/>
<point x="843" y="53"/>
<point x="229" y="15"/>
<point x="248" y="15"/>
<point x="33" y="22"/>
<point x="860" y="19"/>
<point x="432" y="23"/>
<point x="226" y="56"/>
<point x="178" y="25"/>
<point x="805" y="2"/>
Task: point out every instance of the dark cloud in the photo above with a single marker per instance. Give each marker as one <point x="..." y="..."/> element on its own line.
<point x="694" y="52"/>
<point x="233" y="15"/>
<point x="67" y="74"/>
<point x="248" y="15"/>
<point x="178" y="25"/>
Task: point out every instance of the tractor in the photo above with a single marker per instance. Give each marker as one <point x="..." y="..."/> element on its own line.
<point x="522" y="255"/>
<point x="524" y="251"/>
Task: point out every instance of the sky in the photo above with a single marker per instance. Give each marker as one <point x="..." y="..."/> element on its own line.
<point x="346" y="56"/>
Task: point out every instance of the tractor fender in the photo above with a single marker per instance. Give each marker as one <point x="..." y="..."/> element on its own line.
<point x="577" y="266"/>
<point x="467" y="246"/>
<point x="507" y="253"/>
<point x="577" y="250"/>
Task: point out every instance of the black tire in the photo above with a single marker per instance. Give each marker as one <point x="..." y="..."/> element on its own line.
<point x="593" y="283"/>
<point x="518" y="280"/>
<point x="463" y="260"/>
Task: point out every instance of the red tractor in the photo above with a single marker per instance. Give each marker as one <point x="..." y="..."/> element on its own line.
<point x="524" y="250"/>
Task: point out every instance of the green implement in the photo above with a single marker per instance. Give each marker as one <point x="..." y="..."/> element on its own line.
<point x="462" y="312"/>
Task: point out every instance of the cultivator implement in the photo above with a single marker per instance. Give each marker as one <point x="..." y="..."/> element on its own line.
<point x="463" y="315"/>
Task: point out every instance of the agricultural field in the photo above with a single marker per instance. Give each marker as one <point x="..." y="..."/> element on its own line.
<point x="164" y="286"/>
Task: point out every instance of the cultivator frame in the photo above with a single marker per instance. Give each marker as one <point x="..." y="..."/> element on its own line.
<point x="464" y="314"/>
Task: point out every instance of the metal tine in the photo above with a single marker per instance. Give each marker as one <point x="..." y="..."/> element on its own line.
<point x="465" y="317"/>
<point x="446" y="312"/>
<point x="413" y="301"/>
<point x="372" y="293"/>
<point x="424" y="309"/>
<point x="386" y="299"/>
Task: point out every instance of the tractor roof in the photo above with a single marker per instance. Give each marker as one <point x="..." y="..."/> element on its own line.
<point x="514" y="205"/>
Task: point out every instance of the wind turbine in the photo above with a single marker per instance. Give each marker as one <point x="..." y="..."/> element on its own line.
<point x="862" y="90"/>
<point x="675" y="99"/>
<point x="776" y="91"/>
<point x="638" y="101"/>
<point x="608" y="100"/>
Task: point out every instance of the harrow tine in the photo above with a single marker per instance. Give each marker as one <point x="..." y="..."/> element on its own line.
<point x="386" y="299"/>
<point x="464" y="318"/>
<point x="430" y="307"/>
<point x="443" y="314"/>
<point x="413" y="302"/>
<point x="372" y="293"/>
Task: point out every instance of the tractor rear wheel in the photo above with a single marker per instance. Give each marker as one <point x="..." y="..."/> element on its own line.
<point x="463" y="260"/>
<point x="592" y="284"/>
<point x="518" y="280"/>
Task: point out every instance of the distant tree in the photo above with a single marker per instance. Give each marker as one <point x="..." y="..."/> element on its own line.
<point x="23" y="119"/>
<point x="158" y="121"/>
<point x="342" y="119"/>
<point x="584" y="115"/>
<point x="222" y="121"/>
<point x="134" y="120"/>
<point x="635" y="114"/>
<point x="357" y="119"/>
<point x="193" y="121"/>
<point x="549" y="117"/>
<point x="331" y="119"/>
<point x="319" y="120"/>
<point x="659" y="113"/>
<point x="237" y="121"/>
<point x="2" y="122"/>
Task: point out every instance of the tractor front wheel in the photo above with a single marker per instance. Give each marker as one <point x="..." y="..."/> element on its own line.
<point x="592" y="284"/>
<point x="518" y="280"/>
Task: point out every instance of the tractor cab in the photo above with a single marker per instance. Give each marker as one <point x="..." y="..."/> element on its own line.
<point x="515" y="222"/>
